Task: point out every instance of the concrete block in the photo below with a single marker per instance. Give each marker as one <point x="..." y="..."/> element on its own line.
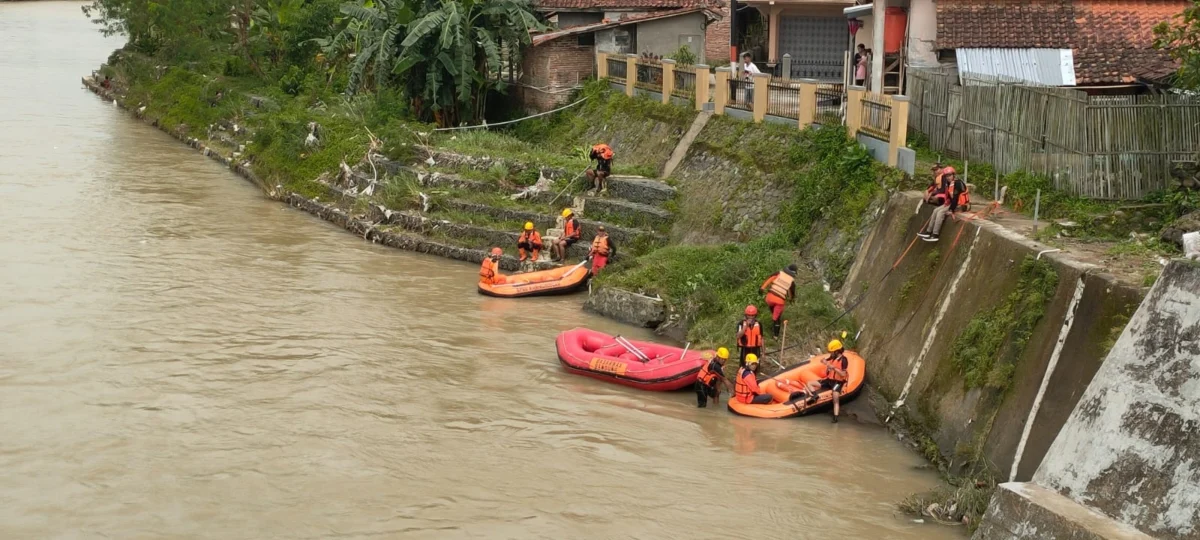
<point x="626" y="306"/>
<point x="1021" y="511"/>
<point x="641" y="190"/>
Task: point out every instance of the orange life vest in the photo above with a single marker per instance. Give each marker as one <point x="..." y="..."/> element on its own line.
<point x="964" y="198"/>
<point x="753" y="335"/>
<point x="603" y="150"/>
<point x="842" y="364"/>
<point x="571" y="228"/>
<point x="600" y="245"/>
<point x="709" y="373"/>
<point x="746" y="386"/>
<point x="781" y="286"/>
<point x="487" y="271"/>
<point x="532" y="236"/>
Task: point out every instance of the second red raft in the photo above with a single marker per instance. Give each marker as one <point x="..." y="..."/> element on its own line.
<point x="600" y="356"/>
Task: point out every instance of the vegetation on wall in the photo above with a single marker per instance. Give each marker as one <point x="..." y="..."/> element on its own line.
<point x="1180" y="38"/>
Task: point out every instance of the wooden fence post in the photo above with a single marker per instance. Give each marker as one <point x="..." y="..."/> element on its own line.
<point x="854" y="98"/>
<point x="701" y="86"/>
<point x="721" y="96"/>
<point x="630" y="73"/>
<point x="668" y="82"/>
<point x="807" y="111"/>
<point x="601" y="65"/>
<point x="762" y="95"/>
<point x="898" y="138"/>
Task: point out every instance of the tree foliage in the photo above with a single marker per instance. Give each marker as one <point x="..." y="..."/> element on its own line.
<point x="1180" y="38"/>
<point x="446" y="55"/>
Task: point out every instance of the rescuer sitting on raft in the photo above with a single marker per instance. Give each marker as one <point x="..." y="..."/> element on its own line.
<point x="489" y="271"/>
<point x="603" y="155"/>
<point x="602" y="249"/>
<point x="529" y="241"/>
<point x="836" y="375"/>
<point x="746" y="389"/>
<point x="571" y="234"/>
<point x="710" y="377"/>
<point x="749" y="335"/>
<point x="780" y="289"/>
<point x="957" y="198"/>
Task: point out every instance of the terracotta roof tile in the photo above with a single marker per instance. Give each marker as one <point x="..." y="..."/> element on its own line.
<point x="1112" y="39"/>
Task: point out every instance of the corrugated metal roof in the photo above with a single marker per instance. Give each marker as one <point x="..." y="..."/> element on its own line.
<point x="1051" y="67"/>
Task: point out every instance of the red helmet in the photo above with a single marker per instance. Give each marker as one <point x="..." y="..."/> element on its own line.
<point x="497" y="252"/>
<point x="751" y="310"/>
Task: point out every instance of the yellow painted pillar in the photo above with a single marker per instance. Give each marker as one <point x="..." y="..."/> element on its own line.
<point x="721" y="95"/>
<point x="701" y="86"/>
<point x="854" y="98"/>
<point x="808" y="102"/>
<point x="630" y="73"/>
<point x="668" y="83"/>
<point x="601" y="65"/>
<point x="762" y="95"/>
<point x="898" y="138"/>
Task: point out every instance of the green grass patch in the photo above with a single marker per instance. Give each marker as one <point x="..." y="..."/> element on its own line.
<point x="986" y="352"/>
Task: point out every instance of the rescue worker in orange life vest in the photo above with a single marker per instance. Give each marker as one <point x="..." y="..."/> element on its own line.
<point x="489" y="271"/>
<point x="780" y="289"/>
<point x="957" y="199"/>
<point x="712" y="375"/>
<point x="571" y="234"/>
<point x="746" y="389"/>
<point x="749" y="335"/>
<point x="836" y="375"/>
<point x="529" y="242"/>
<point x="602" y="249"/>
<point x="603" y="155"/>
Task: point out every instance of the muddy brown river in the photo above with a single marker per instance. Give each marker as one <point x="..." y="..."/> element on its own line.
<point x="182" y="358"/>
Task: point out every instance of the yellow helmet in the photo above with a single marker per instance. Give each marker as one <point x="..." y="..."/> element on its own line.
<point x="751" y="359"/>
<point x="835" y="345"/>
<point x="566" y="212"/>
<point x="529" y="225"/>
<point x="723" y="353"/>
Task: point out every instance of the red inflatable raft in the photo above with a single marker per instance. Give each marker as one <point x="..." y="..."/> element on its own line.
<point x="649" y="366"/>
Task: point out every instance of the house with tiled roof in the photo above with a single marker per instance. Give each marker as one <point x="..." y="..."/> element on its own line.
<point x="558" y="60"/>
<point x="1087" y="43"/>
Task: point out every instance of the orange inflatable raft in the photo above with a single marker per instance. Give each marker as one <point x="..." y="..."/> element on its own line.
<point x="561" y="280"/>
<point x="782" y="386"/>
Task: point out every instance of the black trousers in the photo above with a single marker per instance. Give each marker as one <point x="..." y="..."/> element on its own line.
<point x="703" y="392"/>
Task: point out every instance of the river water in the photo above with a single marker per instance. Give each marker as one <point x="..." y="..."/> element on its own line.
<point x="180" y="357"/>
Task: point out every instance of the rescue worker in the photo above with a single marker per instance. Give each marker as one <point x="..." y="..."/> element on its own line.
<point x="836" y="375"/>
<point x="746" y="388"/>
<point x="602" y="249"/>
<point x="603" y="155"/>
<point x="749" y="335"/>
<point x="529" y="241"/>
<point x="571" y="233"/>
<point x="780" y="289"/>
<point x="935" y="194"/>
<point x="957" y="199"/>
<point x="489" y="271"/>
<point x="712" y="375"/>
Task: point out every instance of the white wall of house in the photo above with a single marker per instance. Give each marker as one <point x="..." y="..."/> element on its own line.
<point x="922" y="33"/>
<point x="665" y="36"/>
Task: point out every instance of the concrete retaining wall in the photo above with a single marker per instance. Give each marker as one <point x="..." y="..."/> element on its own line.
<point x="911" y="318"/>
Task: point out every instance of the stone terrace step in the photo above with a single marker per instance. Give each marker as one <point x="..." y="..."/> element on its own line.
<point x="473" y="236"/>
<point x="620" y="234"/>
<point x="640" y="189"/>
<point x="642" y="215"/>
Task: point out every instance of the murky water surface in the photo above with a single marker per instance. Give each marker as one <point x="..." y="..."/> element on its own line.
<point x="180" y="357"/>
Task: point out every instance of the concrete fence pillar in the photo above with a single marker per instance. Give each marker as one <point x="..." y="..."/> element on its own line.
<point x="701" y="86"/>
<point x="630" y="73"/>
<point x="854" y="99"/>
<point x="601" y="65"/>
<point x="808" y="102"/>
<point x="668" y="82"/>
<point x="721" y="95"/>
<point x="762" y="95"/>
<point x="787" y="67"/>
<point x="898" y="138"/>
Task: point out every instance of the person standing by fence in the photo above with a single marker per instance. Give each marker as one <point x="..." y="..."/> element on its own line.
<point x="747" y="69"/>
<point x="860" y="66"/>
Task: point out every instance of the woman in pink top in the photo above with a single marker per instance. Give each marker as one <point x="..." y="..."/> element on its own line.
<point x="860" y="71"/>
